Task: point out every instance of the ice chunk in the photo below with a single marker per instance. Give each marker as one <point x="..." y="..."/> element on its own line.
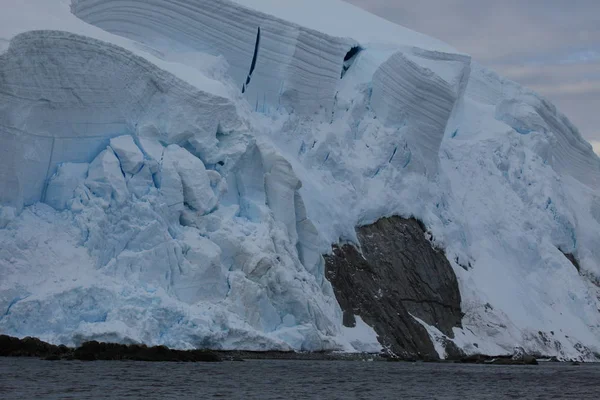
<point x="141" y="183"/>
<point x="129" y="154"/>
<point x="170" y="185"/>
<point x="63" y="183"/>
<point x="310" y="249"/>
<point x="154" y="152"/>
<point x="281" y="185"/>
<point x="7" y="214"/>
<point x="203" y="277"/>
<point x="105" y="178"/>
<point x="197" y="191"/>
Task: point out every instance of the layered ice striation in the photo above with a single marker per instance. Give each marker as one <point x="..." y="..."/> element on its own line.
<point x="295" y="67"/>
<point x="172" y="171"/>
<point x="410" y="95"/>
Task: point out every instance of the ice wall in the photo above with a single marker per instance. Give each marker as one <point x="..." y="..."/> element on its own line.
<point x="172" y="195"/>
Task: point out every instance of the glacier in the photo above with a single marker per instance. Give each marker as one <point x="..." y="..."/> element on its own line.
<point x="171" y="172"/>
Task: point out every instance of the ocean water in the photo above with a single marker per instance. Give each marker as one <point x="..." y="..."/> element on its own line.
<point x="261" y="379"/>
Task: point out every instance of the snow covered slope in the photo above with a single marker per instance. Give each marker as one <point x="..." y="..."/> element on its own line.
<point x="172" y="171"/>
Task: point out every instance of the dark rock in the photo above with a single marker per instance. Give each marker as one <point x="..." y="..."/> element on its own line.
<point x="475" y="359"/>
<point x="397" y="273"/>
<point x="529" y="360"/>
<point x="88" y="351"/>
<point x="398" y="359"/>
<point x="91" y="351"/>
<point x="499" y="360"/>
<point x="7" y="346"/>
<point x="27" y="347"/>
<point x="348" y="319"/>
<point x="520" y="356"/>
<point x="571" y="257"/>
<point x="453" y="352"/>
<point x="241" y="355"/>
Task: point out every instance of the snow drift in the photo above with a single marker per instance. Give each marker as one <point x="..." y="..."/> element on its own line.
<point x="172" y="171"/>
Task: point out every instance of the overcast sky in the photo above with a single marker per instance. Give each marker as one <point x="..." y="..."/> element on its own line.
<point x="551" y="46"/>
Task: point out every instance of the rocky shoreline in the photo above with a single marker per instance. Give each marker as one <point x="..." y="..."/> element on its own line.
<point x="93" y="351"/>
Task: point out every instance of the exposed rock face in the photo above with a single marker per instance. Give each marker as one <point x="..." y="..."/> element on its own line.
<point x="91" y="351"/>
<point x="398" y="274"/>
<point x="29" y="347"/>
<point x="571" y="257"/>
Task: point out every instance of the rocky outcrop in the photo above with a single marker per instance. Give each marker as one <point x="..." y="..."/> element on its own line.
<point x="573" y="260"/>
<point x="93" y="350"/>
<point x="395" y="276"/>
<point x="519" y="357"/>
<point x="30" y="347"/>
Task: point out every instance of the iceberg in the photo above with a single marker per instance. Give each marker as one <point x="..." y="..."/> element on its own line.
<point x="172" y="172"/>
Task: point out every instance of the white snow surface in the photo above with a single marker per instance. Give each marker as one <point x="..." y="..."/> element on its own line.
<point x="144" y="198"/>
<point x="362" y="337"/>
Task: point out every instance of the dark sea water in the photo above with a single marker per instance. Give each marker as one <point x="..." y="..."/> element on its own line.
<point x="37" y="379"/>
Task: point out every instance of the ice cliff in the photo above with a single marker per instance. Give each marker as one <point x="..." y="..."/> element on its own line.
<point x="171" y="172"/>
